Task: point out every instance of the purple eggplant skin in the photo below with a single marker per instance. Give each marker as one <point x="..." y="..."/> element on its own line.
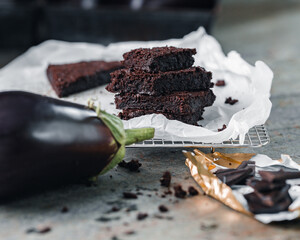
<point x="45" y="142"/>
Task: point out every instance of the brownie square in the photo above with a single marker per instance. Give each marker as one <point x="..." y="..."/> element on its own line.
<point x="189" y="118"/>
<point x="180" y="103"/>
<point x="159" y="59"/>
<point x="71" y="78"/>
<point x="161" y="83"/>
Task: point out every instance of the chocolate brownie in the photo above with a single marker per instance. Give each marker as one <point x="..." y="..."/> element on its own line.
<point x="161" y="83"/>
<point x="71" y="78"/>
<point x="159" y="59"/>
<point x="189" y="118"/>
<point x="180" y="103"/>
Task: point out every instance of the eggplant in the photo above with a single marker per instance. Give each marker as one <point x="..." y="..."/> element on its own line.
<point x="46" y="142"/>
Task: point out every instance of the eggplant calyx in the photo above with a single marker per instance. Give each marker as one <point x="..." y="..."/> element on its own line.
<point x="122" y="137"/>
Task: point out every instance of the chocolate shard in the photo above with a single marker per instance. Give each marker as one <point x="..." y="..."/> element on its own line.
<point x="278" y="176"/>
<point x="234" y="176"/>
<point x="272" y="202"/>
<point x="264" y="186"/>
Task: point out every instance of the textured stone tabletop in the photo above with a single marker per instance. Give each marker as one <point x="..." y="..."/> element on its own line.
<point x="262" y="32"/>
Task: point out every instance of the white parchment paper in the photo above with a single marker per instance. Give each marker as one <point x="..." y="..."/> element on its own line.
<point x="249" y="84"/>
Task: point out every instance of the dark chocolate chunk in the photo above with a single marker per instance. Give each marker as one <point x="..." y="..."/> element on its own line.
<point x="162" y="83"/>
<point x="233" y="176"/>
<point x="181" y="103"/>
<point x="165" y="179"/>
<point x="163" y="208"/>
<point x="71" y="78"/>
<point x="132" y="166"/>
<point x="220" y="83"/>
<point x="179" y="192"/>
<point x="264" y="186"/>
<point x="257" y="206"/>
<point x="231" y="101"/>
<point x="159" y="59"/>
<point x="193" y="191"/>
<point x="141" y="216"/>
<point x="129" y="195"/>
<point x="278" y="176"/>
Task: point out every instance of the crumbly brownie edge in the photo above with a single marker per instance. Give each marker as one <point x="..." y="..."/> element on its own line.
<point x="189" y="119"/>
<point x="162" y="83"/>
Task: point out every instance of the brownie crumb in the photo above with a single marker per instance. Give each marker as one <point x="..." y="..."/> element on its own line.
<point x="163" y="196"/>
<point x="168" y="192"/>
<point x="130" y="232"/>
<point x="114" y="209"/>
<point x="132" y="166"/>
<point x="114" y="238"/>
<point x="179" y="192"/>
<point x="165" y="179"/>
<point x="39" y="230"/>
<point x="221" y="129"/>
<point x="129" y="195"/>
<point x="163" y="217"/>
<point x="141" y="216"/>
<point x="65" y="209"/>
<point x="209" y="225"/>
<point x="193" y="191"/>
<point x="163" y="208"/>
<point x="220" y="83"/>
<point x="107" y="219"/>
<point x="231" y="101"/>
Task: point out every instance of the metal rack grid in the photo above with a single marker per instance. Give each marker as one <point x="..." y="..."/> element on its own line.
<point x="256" y="137"/>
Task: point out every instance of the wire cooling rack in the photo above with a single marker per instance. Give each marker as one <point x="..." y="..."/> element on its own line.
<point x="256" y="137"/>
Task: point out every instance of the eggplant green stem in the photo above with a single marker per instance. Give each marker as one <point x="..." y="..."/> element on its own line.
<point x="138" y="135"/>
<point x="122" y="137"/>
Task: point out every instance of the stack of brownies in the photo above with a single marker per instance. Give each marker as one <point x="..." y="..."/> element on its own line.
<point x="162" y="80"/>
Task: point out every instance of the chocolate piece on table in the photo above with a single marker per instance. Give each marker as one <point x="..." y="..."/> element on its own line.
<point x="264" y="186"/>
<point x="165" y="180"/>
<point x="132" y="165"/>
<point x="278" y="176"/>
<point x="231" y="101"/>
<point x="129" y="195"/>
<point x="188" y="118"/>
<point x="71" y="78"/>
<point x="181" y="103"/>
<point x="193" y="191"/>
<point x="179" y="192"/>
<point x="159" y="59"/>
<point x="161" y="83"/>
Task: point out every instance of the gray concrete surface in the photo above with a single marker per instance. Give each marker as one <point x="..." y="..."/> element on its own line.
<point x="273" y="36"/>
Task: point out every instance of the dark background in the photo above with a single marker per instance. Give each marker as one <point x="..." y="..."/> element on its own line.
<point x="24" y="23"/>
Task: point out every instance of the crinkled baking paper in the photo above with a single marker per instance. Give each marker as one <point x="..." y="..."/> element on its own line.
<point x="249" y="84"/>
